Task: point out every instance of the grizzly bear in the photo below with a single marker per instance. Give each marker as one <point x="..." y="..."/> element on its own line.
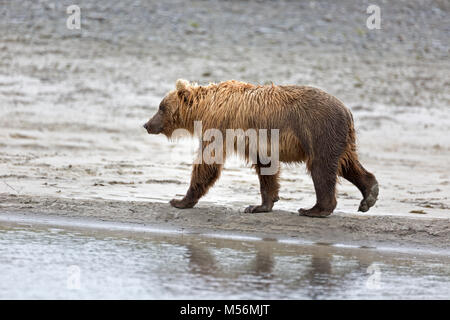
<point x="314" y="127"/>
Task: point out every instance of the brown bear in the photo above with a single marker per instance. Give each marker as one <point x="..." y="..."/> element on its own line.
<point x="314" y="127"/>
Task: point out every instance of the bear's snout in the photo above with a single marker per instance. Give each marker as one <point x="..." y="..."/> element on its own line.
<point x="153" y="128"/>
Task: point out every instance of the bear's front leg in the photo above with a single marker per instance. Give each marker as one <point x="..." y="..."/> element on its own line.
<point x="203" y="177"/>
<point x="269" y="186"/>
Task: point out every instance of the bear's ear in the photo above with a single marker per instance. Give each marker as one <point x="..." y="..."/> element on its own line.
<point x="181" y="84"/>
<point x="184" y="91"/>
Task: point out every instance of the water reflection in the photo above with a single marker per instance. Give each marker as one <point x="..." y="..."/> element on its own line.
<point x="314" y="272"/>
<point x="33" y="264"/>
<point x="201" y="261"/>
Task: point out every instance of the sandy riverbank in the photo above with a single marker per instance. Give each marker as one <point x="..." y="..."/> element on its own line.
<point x="431" y="234"/>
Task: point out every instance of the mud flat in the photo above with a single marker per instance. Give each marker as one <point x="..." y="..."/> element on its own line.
<point x="388" y="232"/>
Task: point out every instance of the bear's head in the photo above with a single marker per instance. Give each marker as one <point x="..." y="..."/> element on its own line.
<point x="169" y="116"/>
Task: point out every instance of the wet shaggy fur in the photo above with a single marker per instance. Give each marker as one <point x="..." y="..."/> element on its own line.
<point x="314" y="127"/>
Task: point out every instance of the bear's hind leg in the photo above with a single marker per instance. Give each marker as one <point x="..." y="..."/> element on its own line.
<point x="203" y="177"/>
<point x="269" y="187"/>
<point x="364" y="181"/>
<point x="324" y="174"/>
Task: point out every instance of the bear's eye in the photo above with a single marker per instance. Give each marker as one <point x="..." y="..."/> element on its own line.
<point x="162" y="108"/>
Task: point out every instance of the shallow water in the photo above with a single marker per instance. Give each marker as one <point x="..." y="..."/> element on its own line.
<point x="41" y="262"/>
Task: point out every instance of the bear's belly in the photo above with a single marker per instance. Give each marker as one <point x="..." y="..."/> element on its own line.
<point x="290" y="149"/>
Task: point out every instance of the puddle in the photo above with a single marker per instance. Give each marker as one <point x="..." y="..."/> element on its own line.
<point x="47" y="262"/>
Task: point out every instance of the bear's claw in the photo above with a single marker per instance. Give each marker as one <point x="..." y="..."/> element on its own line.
<point x="314" y="213"/>
<point x="181" y="204"/>
<point x="370" y="200"/>
<point x="255" y="209"/>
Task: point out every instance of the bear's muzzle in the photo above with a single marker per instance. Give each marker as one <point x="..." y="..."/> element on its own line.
<point x="153" y="128"/>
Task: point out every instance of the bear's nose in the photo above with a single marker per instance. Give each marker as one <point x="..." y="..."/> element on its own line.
<point x="145" y="126"/>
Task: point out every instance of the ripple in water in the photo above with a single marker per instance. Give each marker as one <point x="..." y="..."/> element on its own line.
<point x="50" y="263"/>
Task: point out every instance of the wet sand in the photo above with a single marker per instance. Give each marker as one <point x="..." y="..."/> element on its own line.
<point x="388" y="232"/>
<point x="72" y="105"/>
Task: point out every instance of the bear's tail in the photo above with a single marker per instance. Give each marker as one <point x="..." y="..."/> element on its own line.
<point x="349" y="158"/>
